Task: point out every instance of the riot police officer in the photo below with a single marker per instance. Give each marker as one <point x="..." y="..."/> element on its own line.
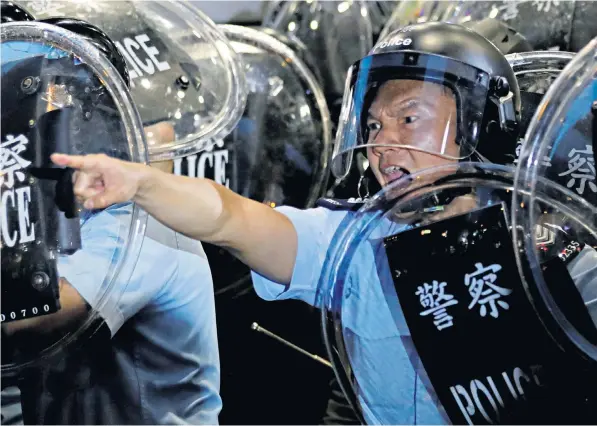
<point x="427" y="95"/>
<point x="155" y="359"/>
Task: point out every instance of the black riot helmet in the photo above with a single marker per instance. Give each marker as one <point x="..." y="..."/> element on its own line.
<point x="12" y="12"/>
<point x="442" y="83"/>
<point x="98" y="38"/>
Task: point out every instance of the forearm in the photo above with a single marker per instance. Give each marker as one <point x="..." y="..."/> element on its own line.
<point x="193" y="207"/>
<point x="259" y="236"/>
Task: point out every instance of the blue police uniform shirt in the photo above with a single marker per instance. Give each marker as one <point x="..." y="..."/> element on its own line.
<point x="368" y="326"/>
<point x="162" y="321"/>
<point x="396" y="390"/>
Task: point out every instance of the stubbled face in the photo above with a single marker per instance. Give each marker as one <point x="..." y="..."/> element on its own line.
<point x="410" y="113"/>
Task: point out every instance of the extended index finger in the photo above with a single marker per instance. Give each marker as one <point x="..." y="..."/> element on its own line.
<point x="80" y="162"/>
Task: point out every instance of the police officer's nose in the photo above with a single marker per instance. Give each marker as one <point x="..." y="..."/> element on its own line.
<point x="387" y="141"/>
<point x="385" y="132"/>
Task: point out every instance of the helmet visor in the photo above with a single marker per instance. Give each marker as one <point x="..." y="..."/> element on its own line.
<point x="411" y="102"/>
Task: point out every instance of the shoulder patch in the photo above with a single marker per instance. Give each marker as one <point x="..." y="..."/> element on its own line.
<point x="352" y="204"/>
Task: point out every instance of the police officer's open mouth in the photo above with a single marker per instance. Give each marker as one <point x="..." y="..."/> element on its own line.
<point x="392" y="173"/>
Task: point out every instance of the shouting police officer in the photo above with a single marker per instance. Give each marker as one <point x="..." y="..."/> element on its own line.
<point x="427" y="95"/>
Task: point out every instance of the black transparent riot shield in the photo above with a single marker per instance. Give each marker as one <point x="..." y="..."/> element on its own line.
<point x="186" y="80"/>
<point x="414" y="12"/>
<point x="278" y="153"/>
<point x="570" y="22"/>
<point x="567" y="158"/>
<point x="380" y="13"/>
<point x="338" y="34"/>
<point x="535" y="72"/>
<point x="430" y="318"/>
<point x="526" y="17"/>
<point x="563" y="132"/>
<point x="59" y="94"/>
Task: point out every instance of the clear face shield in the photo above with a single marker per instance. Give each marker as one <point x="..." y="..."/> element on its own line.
<point x="399" y="104"/>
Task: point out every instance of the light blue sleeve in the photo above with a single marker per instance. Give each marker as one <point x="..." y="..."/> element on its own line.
<point x="315" y="229"/>
<point x="181" y="318"/>
<point x="103" y="236"/>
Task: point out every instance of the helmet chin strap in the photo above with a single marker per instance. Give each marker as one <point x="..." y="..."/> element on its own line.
<point x="479" y="156"/>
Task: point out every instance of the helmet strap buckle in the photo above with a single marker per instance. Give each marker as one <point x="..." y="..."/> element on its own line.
<point x="501" y="95"/>
<point x="507" y="113"/>
<point x="363" y="187"/>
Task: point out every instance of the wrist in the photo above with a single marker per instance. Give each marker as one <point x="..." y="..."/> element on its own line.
<point x="145" y="177"/>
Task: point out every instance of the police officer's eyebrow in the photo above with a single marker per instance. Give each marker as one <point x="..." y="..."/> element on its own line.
<point x="397" y="107"/>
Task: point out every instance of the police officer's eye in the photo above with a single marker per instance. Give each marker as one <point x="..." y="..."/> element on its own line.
<point x="373" y="126"/>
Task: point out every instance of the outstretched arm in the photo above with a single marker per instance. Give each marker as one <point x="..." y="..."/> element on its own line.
<point x="259" y="236"/>
<point x="262" y="238"/>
